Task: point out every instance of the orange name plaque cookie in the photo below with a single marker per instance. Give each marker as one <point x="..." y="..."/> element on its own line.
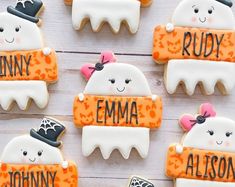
<point x="118" y="111"/>
<point x="28" y="65"/>
<point x="201" y="165"/>
<point x="193" y="43"/>
<point x="12" y="175"/>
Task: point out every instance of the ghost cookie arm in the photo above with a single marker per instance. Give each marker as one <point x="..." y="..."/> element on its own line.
<point x="81" y="97"/>
<point x="179" y="148"/>
<point x="46" y="51"/>
<point x="154" y="97"/>
<point x="170" y="27"/>
<point x="65" y="164"/>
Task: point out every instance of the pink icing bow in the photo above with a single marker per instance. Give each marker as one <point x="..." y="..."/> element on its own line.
<point x="188" y="121"/>
<point x="106" y="57"/>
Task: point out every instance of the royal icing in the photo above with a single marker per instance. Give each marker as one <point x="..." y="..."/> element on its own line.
<point x="114" y="12"/>
<point x="24" y="61"/>
<point x="205" y="156"/>
<point x="136" y="181"/>
<point x="199" y="42"/>
<point x="120" y="104"/>
<point x="37" y="160"/>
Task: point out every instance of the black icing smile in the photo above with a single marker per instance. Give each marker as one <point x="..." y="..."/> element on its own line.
<point x="32" y="160"/>
<point x="202" y="21"/>
<point x="121" y="90"/>
<point x="219" y="143"/>
<point x="10" y="42"/>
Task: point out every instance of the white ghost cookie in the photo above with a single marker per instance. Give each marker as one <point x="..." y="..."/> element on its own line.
<point x="36" y="159"/>
<point x="205" y="157"/>
<point x="27" y="66"/>
<point x="114" y="12"/>
<point x="116" y="109"/>
<point x="198" y="46"/>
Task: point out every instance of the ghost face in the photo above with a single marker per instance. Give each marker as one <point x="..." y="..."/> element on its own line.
<point x="215" y="134"/>
<point x="28" y="150"/>
<point x="18" y="34"/>
<point x="118" y="79"/>
<point x="204" y="14"/>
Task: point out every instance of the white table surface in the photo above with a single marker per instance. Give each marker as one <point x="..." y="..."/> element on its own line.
<point x="76" y="48"/>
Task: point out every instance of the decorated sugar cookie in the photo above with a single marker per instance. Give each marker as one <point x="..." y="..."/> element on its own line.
<point x="26" y="65"/>
<point x="35" y="160"/>
<point x="116" y="109"/>
<point x="198" y="46"/>
<point x="113" y="12"/>
<point x="206" y="155"/>
<point x="136" y="181"/>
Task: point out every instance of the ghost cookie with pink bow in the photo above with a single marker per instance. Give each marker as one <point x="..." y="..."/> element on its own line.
<point x="27" y="66"/>
<point x="36" y="160"/>
<point x="206" y="155"/>
<point x="116" y="109"/>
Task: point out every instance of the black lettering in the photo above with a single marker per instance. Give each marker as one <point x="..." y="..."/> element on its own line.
<point x="186" y="45"/>
<point x="197" y="171"/>
<point x="25" y="179"/>
<point x="98" y="110"/>
<point x="195" y="44"/>
<point x="35" y="181"/>
<point x="219" y="41"/>
<point x="18" y="66"/>
<point x="222" y="166"/>
<point x="17" y="176"/>
<point x="7" y="65"/>
<point x="44" y="180"/>
<point x="109" y="112"/>
<point x="209" y="35"/>
<point x="230" y="167"/>
<point x="1" y="73"/>
<point x="214" y="159"/>
<point x="134" y="112"/>
<point x="122" y="112"/>
<point x="11" y="178"/>
<point x="52" y="175"/>
<point x="190" y="165"/>
<point x="206" y="169"/>
<point x="27" y="61"/>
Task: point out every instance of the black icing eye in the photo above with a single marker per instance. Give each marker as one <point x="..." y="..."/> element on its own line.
<point x="210" y="132"/>
<point x="17" y="29"/>
<point x="1" y="29"/>
<point x="196" y="10"/>
<point x="210" y="11"/>
<point x="127" y="81"/>
<point x="228" y="134"/>
<point x="39" y="153"/>
<point x="112" y="81"/>
<point x="25" y="153"/>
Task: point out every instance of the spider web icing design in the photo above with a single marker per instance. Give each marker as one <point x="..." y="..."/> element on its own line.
<point x="24" y="1"/>
<point x="138" y="182"/>
<point x="48" y="124"/>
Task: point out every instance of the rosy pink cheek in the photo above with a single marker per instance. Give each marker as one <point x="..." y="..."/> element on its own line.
<point x="211" y="142"/>
<point x="39" y="160"/>
<point x="23" y="159"/>
<point x="194" y="19"/>
<point x="210" y="20"/>
<point x="18" y="40"/>
<point x="227" y="144"/>
<point x="1" y="41"/>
